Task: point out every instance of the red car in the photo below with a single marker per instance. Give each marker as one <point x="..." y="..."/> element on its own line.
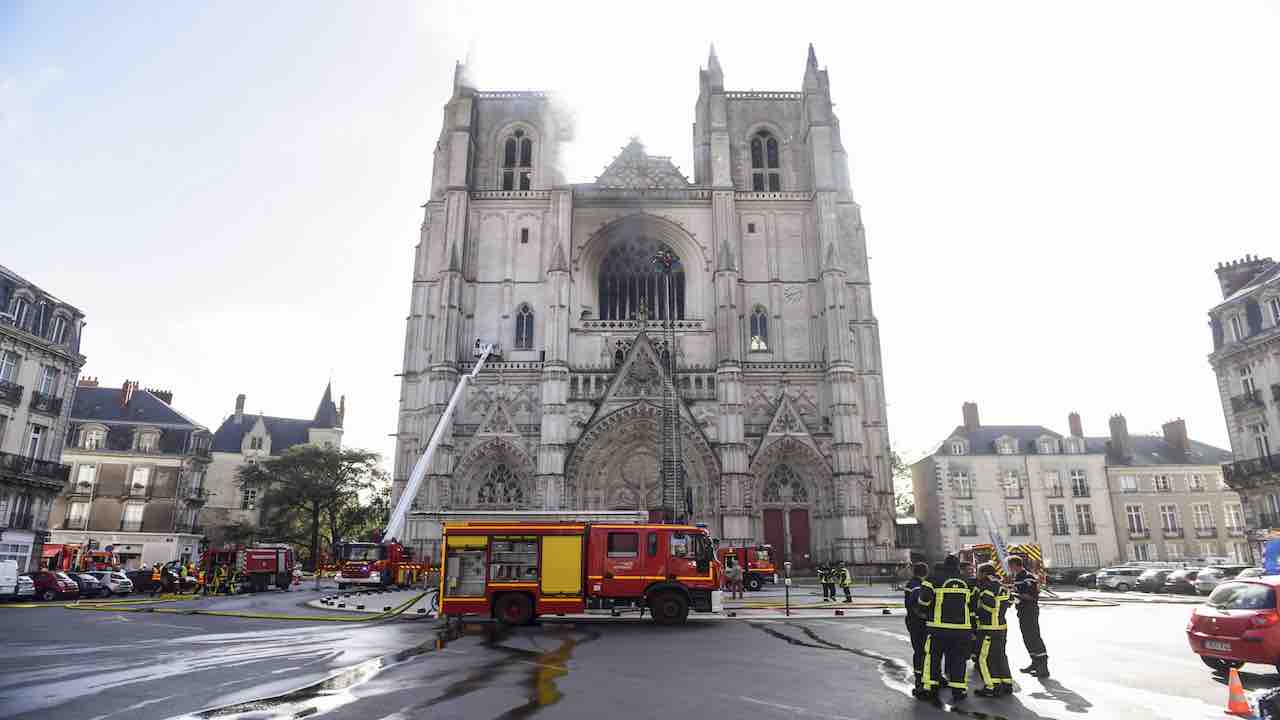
<point x="54" y="585"/>
<point x="1238" y="624"/>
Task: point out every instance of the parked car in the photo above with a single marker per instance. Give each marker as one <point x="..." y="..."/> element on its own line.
<point x="1152" y="580"/>
<point x="141" y="579"/>
<point x="1210" y="577"/>
<point x="1252" y="572"/>
<point x="1062" y="576"/>
<point x="26" y="589"/>
<point x="115" y="582"/>
<point x="90" y="586"/>
<point x="8" y="579"/>
<point x="1239" y="623"/>
<point x="50" y="585"/>
<point x="1118" y="578"/>
<point x="1088" y="580"/>
<point x="1182" y="582"/>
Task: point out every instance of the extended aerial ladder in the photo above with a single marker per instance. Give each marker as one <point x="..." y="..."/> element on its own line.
<point x="395" y="524"/>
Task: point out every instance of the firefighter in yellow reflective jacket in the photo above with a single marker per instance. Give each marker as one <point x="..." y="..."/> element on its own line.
<point x="993" y="631"/>
<point x="947" y="599"/>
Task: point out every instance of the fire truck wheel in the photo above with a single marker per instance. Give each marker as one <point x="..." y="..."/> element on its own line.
<point x="669" y="608"/>
<point x="754" y="583"/>
<point x="513" y="609"/>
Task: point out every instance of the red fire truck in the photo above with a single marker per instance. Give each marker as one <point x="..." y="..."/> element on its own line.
<point x="375" y="564"/>
<point x="518" y="571"/>
<point x="259" y="567"/>
<point x="756" y="562"/>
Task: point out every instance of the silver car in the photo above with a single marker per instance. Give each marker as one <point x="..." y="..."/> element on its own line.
<point x="1210" y="577"/>
<point x="1119" y="578"/>
<point x="116" y="583"/>
<point x="26" y="589"/>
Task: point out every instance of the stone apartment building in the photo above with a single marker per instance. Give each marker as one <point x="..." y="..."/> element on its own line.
<point x="766" y="309"/>
<point x="246" y="438"/>
<point x="40" y="361"/>
<point x="1169" y="497"/>
<point x="137" y="475"/>
<point x="1245" y="328"/>
<point x="1038" y="485"/>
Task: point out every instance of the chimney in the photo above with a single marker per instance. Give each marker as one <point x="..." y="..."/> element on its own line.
<point x="1175" y="435"/>
<point x="126" y="392"/>
<point x="1236" y="274"/>
<point x="342" y="409"/>
<point x="87" y="382"/>
<point x="1073" y="422"/>
<point x="239" y="408"/>
<point x="970" y="412"/>
<point x="1120" y="438"/>
<point x="165" y="395"/>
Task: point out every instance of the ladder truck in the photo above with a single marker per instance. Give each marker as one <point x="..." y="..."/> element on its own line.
<point x="385" y="561"/>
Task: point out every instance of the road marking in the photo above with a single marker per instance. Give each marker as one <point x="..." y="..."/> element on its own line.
<point x="790" y="708"/>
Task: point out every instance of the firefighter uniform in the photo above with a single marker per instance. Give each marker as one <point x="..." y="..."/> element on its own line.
<point x="828" y="584"/>
<point x="846" y="583"/>
<point x="1027" y="590"/>
<point x="993" y="631"/>
<point x="156" y="585"/>
<point x="915" y="628"/>
<point x="948" y="599"/>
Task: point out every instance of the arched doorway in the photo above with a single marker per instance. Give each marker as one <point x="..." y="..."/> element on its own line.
<point x="495" y="475"/>
<point x="794" y="497"/>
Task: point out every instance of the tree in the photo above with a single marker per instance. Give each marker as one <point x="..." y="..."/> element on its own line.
<point x="359" y="520"/>
<point x="299" y="489"/>
<point x="904" y="499"/>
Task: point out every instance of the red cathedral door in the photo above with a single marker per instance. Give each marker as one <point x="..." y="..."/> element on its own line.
<point x="775" y="533"/>
<point x="799" y="538"/>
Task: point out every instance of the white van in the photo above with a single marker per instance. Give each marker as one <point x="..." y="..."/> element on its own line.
<point x="8" y="579"/>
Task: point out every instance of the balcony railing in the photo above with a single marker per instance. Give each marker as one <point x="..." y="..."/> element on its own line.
<point x="967" y="530"/>
<point x="45" y="403"/>
<point x="40" y="469"/>
<point x="1176" y="532"/>
<point x="1248" y="401"/>
<point x="10" y="393"/>
<point x="961" y="494"/>
<point x="1235" y="531"/>
<point x="1079" y="492"/>
<point x="1206" y="532"/>
<point x="1140" y="534"/>
<point x="80" y="523"/>
<point x="1086" y="529"/>
<point x="1022" y="530"/>
<point x="1237" y="473"/>
<point x="20" y="521"/>
<point x="1060" y="530"/>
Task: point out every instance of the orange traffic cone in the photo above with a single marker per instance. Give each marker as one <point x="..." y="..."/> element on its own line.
<point x="1237" y="703"/>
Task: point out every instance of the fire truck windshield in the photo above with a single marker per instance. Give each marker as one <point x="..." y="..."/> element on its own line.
<point x="762" y="555"/>
<point x="362" y="552"/>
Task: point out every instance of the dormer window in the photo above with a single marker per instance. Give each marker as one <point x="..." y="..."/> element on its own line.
<point x="1048" y="446"/>
<point x="148" y="441"/>
<point x="58" y="330"/>
<point x="1237" y="328"/>
<point x="18" y="309"/>
<point x="517" y="162"/>
<point x="1006" y="446"/>
<point x="765" y="171"/>
<point x="1074" y="445"/>
<point x="255" y="442"/>
<point x="93" y="439"/>
<point x="958" y="447"/>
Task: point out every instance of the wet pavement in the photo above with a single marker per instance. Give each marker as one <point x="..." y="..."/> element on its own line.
<point x="1110" y="661"/>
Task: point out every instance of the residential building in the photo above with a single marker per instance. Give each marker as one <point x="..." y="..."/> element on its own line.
<point x="1169" y="497"/>
<point x="137" y="476"/>
<point x="764" y="310"/>
<point x="1245" y="328"/>
<point x="40" y="361"/>
<point x="243" y="438"/>
<point x="1037" y="486"/>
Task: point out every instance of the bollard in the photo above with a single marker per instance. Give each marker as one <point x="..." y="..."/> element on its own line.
<point x="359" y="607"/>
<point x="342" y="604"/>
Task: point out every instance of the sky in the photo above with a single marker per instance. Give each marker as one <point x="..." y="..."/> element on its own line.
<point x="231" y="192"/>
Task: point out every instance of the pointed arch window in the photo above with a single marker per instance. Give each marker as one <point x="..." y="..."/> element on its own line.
<point x="759" y="329"/>
<point x="499" y="487"/>
<point x="766" y="173"/>
<point x="517" y="162"/>
<point x="630" y="286"/>
<point x="524" y="328"/>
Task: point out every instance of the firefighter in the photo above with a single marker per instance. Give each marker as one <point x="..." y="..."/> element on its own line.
<point x="915" y="621"/>
<point x="846" y="582"/>
<point x="822" y="580"/>
<point x="219" y="579"/>
<point x="948" y="599"/>
<point x="1027" y="591"/>
<point x="199" y="582"/>
<point x="157" y="585"/>
<point x="993" y="662"/>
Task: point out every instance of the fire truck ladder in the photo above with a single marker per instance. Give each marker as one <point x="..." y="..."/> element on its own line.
<point x="395" y="524"/>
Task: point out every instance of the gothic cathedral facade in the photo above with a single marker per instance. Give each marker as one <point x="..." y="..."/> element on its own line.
<point x="767" y="310"/>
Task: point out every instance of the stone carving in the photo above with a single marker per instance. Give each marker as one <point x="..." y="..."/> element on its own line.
<point x="498" y="421"/>
<point x="635" y="169"/>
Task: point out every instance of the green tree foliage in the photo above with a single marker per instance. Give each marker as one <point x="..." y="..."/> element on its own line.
<point x="902" y="494"/>
<point x="309" y="490"/>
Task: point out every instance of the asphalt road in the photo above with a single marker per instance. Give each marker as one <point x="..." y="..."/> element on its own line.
<point x="1128" y="661"/>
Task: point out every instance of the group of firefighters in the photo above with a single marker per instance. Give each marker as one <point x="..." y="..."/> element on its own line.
<point x="222" y="580"/>
<point x="956" y="614"/>
<point x="831" y="574"/>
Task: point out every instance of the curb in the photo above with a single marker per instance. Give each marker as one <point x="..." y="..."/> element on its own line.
<point x="399" y="609"/>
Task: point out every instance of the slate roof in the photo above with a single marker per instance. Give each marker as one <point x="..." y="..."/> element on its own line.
<point x="1262" y="278"/>
<point x="102" y="404"/>
<point x="285" y="432"/>
<point x="327" y="412"/>
<point x="982" y="441"/>
<point x="634" y="168"/>
<point x="1153" y="450"/>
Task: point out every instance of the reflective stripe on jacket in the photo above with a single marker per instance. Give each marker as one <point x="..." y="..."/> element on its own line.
<point x="993" y="601"/>
<point x="951" y="599"/>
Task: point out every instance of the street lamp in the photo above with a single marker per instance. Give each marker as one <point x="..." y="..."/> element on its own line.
<point x="786" y="584"/>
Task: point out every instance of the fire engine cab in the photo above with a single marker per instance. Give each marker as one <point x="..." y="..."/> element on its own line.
<point x="518" y="571"/>
<point x="756" y="562"/>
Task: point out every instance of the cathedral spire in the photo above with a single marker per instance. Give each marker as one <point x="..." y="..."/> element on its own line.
<point x="558" y="262"/>
<point x="715" y="74"/>
<point x="454" y="264"/>
<point x="811" y="70"/>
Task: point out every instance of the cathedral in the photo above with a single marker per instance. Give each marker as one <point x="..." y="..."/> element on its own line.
<point x="760" y="321"/>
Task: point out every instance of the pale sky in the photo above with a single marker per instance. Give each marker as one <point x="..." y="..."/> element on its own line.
<point x="231" y="193"/>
